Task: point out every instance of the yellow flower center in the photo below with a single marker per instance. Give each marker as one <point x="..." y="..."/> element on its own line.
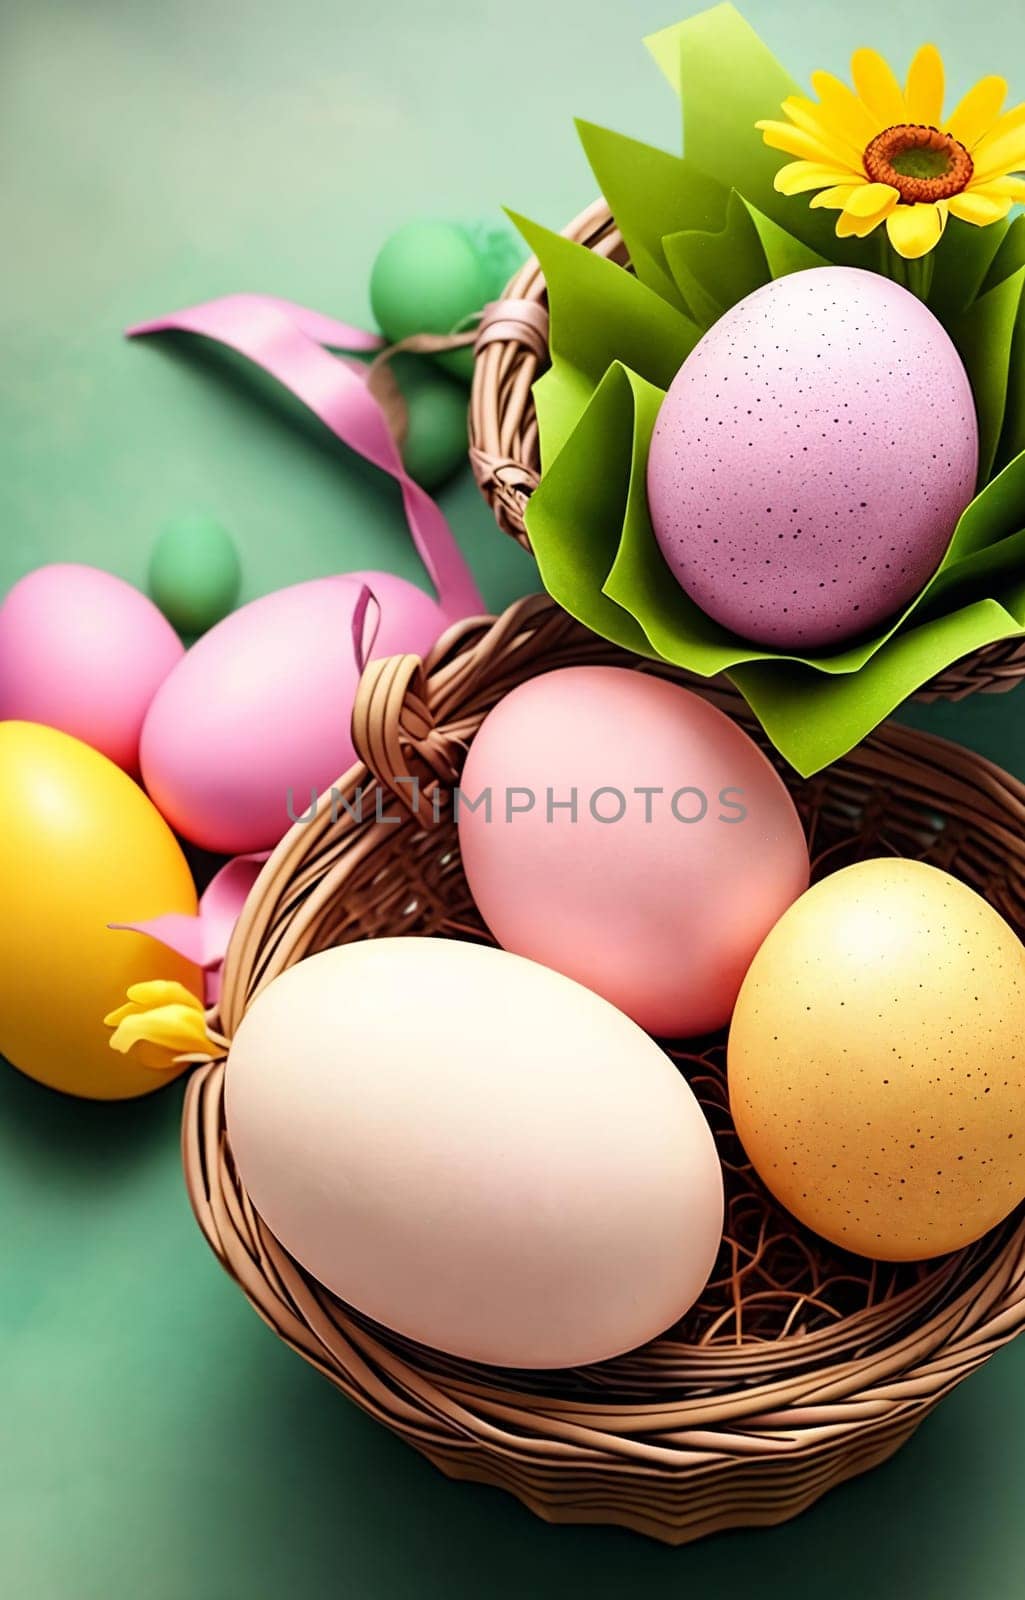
<point x="922" y="164"/>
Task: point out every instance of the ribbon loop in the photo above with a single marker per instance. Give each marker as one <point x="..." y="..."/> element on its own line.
<point x="287" y="341"/>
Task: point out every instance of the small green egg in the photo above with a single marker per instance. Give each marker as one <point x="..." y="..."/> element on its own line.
<point x="429" y="278"/>
<point x="500" y="252"/>
<point x="194" y="573"/>
<point x="436" y="444"/>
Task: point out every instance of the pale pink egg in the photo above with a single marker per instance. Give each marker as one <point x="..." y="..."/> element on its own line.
<point x="637" y="840"/>
<point x="812" y="457"/>
<point x="82" y="651"/>
<point x="474" y="1151"/>
<point x="254" y="722"/>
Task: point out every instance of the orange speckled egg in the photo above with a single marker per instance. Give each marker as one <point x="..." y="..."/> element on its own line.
<point x="877" y="1061"/>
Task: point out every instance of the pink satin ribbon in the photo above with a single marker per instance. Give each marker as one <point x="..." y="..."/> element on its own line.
<point x="366" y="619"/>
<point x="288" y="341"/>
<point x="203" y="939"/>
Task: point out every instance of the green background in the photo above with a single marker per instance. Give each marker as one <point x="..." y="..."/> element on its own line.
<point x="156" y="1441"/>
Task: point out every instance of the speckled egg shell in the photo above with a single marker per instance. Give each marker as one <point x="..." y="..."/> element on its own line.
<point x="877" y="1061"/>
<point x="812" y="457"/>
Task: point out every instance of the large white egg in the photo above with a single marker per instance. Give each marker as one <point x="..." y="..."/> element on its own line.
<point x="475" y="1151"/>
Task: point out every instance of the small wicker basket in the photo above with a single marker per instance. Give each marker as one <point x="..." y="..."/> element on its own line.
<point x="800" y="1366"/>
<point x="512" y="351"/>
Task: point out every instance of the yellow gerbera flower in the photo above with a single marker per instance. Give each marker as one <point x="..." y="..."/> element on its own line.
<point x="881" y="153"/>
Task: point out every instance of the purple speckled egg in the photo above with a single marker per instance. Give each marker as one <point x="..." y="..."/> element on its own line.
<point x="812" y="457"/>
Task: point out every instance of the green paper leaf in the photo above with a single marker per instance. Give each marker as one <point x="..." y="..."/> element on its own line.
<point x="783" y="253"/>
<point x="716" y="269"/>
<point x="561" y="396"/>
<point x="639" y="578"/>
<point x="1012" y="436"/>
<point x="666" y="47"/>
<point x="576" y="515"/>
<point x="813" y="720"/>
<point x="599" y="314"/>
<point x="994" y="514"/>
<point x="650" y="194"/>
<point x="964" y="265"/>
<point x="983" y="335"/>
<point x="979" y="576"/>
<point x="1010" y="252"/>
<point x="729" y="80"/>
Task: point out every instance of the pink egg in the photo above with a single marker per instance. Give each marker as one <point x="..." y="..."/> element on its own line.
<point x="82" y="651"/>
<point x="254" y="721"/>
<point x="474" y="1151"/>
<point x="812" y="457"/>
<point x="636" y="840"/>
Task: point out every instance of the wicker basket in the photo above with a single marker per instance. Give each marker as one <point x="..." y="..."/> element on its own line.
<point x="512" y="351"/>
<point x="800" y="1366"/>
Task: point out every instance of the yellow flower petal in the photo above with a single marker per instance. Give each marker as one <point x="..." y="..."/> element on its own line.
<point x="163" y="992"/>
<point x="1003" y="149"/>
<point x="973" y="118"/>
<point x="872" y="199"/>
<point x="978" y="206"/>
<point x="842" y="109"/>
<point x="177" y="1029"/>
<point x="878" y="88"/>
<point x="784" y="136"/>
<point x="805" y="114"/>
<point x="1001" y="188"/>
<point x="835" y="199"/>
<point x="851" y="227"/>
<point x="855" y="227"/>
<point x="112" y="1018"/>
<point x="155" y="992"/>
<point x="924" y="91"/>
<point x="797" y="177"/>
<point x="163" y="1022"/>
<point x="915" y="230"/>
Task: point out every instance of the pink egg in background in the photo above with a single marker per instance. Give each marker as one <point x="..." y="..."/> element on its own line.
<point x="812" y="457"/>
<point x="85" y="652"/>
<point x="255" y="718"/>
<point x="659" y="914"/>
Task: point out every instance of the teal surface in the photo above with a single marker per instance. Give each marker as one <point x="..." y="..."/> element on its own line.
<point x="156" y="1441"/>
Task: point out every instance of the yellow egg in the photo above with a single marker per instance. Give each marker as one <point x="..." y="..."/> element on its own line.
<point x="81" y="846"/>
<point x="877" y="1061"/>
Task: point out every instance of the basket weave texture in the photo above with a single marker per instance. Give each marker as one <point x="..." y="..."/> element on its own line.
<point x="800" y="1366"/>
<point x="512" y="351"/>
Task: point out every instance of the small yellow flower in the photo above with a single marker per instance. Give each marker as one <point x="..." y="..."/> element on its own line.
<point x="164" y="1022"/>
<point x="881" y="153"/>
